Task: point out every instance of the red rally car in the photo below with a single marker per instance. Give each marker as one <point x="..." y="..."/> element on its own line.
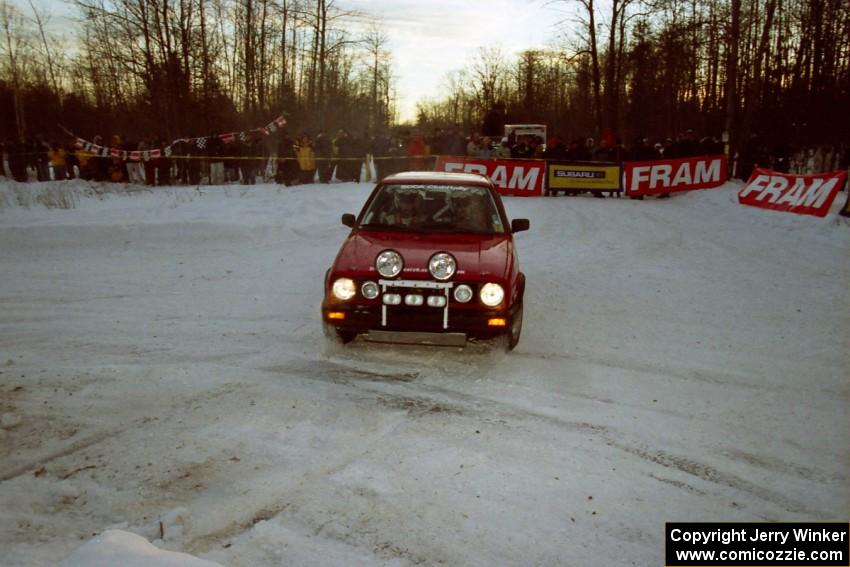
<point x="430" y="259"/>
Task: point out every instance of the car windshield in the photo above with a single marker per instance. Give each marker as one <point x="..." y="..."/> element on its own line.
<point x="434" y="208"/>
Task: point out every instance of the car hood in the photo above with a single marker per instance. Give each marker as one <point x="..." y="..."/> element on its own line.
<point x="476" y="255"/>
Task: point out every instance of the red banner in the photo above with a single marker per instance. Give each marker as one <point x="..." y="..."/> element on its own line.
<point x="800" y="194"/>
<point x="521" y="178"/>
<point x="845" y="210"/>
<point x="673" y="175"/>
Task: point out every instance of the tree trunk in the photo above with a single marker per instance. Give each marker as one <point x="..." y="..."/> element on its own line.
<point x="732" y="73"/>
<point x="594" y="61"/>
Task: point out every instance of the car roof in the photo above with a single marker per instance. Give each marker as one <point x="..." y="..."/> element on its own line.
<point x="437" y="177"/>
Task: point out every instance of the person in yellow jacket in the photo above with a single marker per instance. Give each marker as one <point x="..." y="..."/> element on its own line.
<point x="306" y="159"/>
<point x="57" y="162"/>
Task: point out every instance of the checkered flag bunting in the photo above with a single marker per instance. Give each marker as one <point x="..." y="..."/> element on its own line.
<point x="200" y="143"/>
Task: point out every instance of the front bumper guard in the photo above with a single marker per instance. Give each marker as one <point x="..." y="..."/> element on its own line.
<point x="416" y="284"/>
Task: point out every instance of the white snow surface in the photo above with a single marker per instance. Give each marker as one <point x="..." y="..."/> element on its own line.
<point x="163" y="373"/>
<point x="116" y="548"/>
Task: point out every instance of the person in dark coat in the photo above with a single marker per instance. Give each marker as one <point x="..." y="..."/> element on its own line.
<point x="193" y="162"/>
<point x="380" y="149"/>
<point x="603" y="152"/>
<point x="344" y="154"/>
<point x="17" y="160"/>
<point x="148" y="163"/>
<point x="287" y="164"/>
<point x="71" y="159"/>
<point x="215" y="152"/>
<point x="163" y="164"/>
<point x="643" y="151"/>
<point x="100" y="162"/>
<point x="323" y="150"/>
<point x="751" y="156"/>
<point x="522" y="150"/>
<point x="41" y="159"/>
<point x="250" y="153"/>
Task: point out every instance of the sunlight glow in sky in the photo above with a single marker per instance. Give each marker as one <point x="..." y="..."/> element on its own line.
<point x="428" y="39"/>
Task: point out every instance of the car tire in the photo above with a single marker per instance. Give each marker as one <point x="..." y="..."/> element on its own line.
<point x="516" y="328"/>
<point x="338" y="336"/>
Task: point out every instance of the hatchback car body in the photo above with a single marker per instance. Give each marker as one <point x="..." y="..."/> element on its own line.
<point x="429" y="259"/>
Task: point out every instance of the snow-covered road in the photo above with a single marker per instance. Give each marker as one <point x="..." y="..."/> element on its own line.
<point x="164" y="373"/>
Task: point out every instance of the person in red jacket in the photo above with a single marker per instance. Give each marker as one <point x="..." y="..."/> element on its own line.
<point x="416" y="151"/>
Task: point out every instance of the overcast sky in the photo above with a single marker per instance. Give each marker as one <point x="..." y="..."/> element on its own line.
<point x="430" y="38"/>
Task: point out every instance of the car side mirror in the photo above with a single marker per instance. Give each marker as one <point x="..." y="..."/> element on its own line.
<point x="348" y="219"/>
<point x="518" y="225"/>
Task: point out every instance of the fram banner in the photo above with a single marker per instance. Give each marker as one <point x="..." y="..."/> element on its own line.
<point x="522" y="178"/>
<point x="801" y="194"/>
<point x="845" y="210"/>
<point x="672" y="175"/>
<point x="565" y="176"/>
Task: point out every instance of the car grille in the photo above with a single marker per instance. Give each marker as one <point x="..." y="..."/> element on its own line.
<point x="426" y="315"/>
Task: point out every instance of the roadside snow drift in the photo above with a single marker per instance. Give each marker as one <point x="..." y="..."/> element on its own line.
<point x="115" y="547"/>
<point x="163" y="374"/>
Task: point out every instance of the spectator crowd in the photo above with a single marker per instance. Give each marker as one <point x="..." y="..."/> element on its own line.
<point x="346" y="156"/>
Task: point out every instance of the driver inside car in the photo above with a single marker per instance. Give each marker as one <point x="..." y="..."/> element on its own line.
<point x="406" y="210"/>
<point x="470" y="213"/>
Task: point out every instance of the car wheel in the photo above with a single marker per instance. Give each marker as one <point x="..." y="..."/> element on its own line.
<point x="516" y="328"/>
<point x="338" y="336"/>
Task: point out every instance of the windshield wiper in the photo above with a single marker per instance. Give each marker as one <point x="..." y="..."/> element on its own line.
<point x="393" y="227"/>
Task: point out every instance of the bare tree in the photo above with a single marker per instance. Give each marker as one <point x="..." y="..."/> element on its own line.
<point x="42" y="19"/>
<point x="732" y="68"/>
<point x="15" y="46"/>
<point x="375" y="41"/>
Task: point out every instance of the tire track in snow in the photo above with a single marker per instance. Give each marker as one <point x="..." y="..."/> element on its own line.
<point x="398" y="390"/>
<point x="52" y="456"/>
<point x="421" y="399"/>
<point x="713" y="475"/>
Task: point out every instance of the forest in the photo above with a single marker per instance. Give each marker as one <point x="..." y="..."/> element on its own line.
<point x="779" y="69"/>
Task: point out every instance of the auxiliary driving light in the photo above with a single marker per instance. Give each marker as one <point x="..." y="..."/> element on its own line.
<point x="413" y="299"/>
<point x="392" y="299"/>
<point x="389" y="263"/>
<point x="463" y="293"/>
<point x="442" y="266"/>
<point x="369" y="290"/>
<point x="437" y="300"/>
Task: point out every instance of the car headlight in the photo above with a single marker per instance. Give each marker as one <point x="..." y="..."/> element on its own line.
<point x="491" y="294"/>
<point x="442" y="266"/>
<point x="369" y="290"/>
<point x="344" y="289"/>
<point x="389" y="263"/>
<point x="463" y="293"/>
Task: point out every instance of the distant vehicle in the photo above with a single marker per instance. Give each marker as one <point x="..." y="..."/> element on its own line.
<point x="527" y="133"/>
<point x="430" y="259"/>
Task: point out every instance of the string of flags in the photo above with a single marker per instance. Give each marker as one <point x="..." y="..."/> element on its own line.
<point x="168" y="151"/>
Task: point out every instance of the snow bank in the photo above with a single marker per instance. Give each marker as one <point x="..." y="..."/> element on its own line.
<point x="114" y="548"/>
<point x="60" y="194"/>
